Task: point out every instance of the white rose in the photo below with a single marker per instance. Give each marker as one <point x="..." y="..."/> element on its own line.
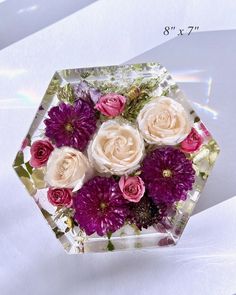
<point x="67" y="167"/>
<point x="117" y="148"/>
<point x="164" y="121"/>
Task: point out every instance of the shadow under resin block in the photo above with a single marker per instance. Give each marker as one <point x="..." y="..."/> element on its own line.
<point x="116" y="158"/>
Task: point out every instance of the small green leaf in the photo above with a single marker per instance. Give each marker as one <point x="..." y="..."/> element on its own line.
<point x="165" y="92"/>
<point x="38" y="178"/>
<point x="28" y="185"/>
<point x="28" y="167"/>
<point x="203" y="175"/>
<point x="53" y="86"/>
<point x="116" y="177"/>
<point x="66" y="93"/>
<point x="22" y="172"/>
<point x="85" y="75"/>
<point x="196" y="119"/>
<point x="58" y="232"/>
<point x="110" y="246"/>
<point x="133" y="108"/>
<point x="103" y="118"/>
<point x="138" y="245"/>
<point x="150" y="84"/>
<point x="138" y="67"/>
<point x="136" y="173"/>
<point x="45" y="213"/>
<point x="19" y="160"/>
<point x="70" y="223"/>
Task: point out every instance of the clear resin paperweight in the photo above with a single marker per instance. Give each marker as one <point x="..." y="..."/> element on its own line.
<point x="115" y="158"/>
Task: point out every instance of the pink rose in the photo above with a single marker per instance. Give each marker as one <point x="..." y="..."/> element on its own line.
<point x="40" y="152"/>
<point x="204" y="130"/>
<point x="192" y="142"/>
<point x="111" y="104"/>
<point x="60" y="197"/>
<point x="25" y="143"/>
<point x="132" y="188"/>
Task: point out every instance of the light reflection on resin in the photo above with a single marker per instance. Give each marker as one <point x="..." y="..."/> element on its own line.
<point x="12" y="73"/>
<point x="203" y="82"/>
<point x="213" y="113"/>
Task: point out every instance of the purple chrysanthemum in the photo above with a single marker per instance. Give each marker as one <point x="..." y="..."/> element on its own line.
<point x="87" y="93"/>
<point x="71" y="125"/>
<point x="100" y="206"/>
<point x="145" y="213"/>
<point x="168" y="175"/>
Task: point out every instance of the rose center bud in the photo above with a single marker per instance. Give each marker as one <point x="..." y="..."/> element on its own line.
<point x="163" y="119"/>
<point x="193" y="137"/>
<point x="120" y="145"/>
<point x="132" y="189"/>
<point x="111" y="100"/>
<point x="166" y="173"/>
<point x="40" y="152"/>
<point x="58" y="196"/>
<point x="66" y="164"/>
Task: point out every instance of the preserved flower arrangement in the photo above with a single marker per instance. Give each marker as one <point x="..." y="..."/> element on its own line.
<point x="115" y="158"/>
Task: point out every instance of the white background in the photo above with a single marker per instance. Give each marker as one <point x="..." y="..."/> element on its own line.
<point x="105" y="32"/>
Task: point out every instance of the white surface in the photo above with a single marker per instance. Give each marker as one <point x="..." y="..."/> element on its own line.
<point x="32" y="260"/>
<point x="203" y="263"/>
<point x="19" y="19"/>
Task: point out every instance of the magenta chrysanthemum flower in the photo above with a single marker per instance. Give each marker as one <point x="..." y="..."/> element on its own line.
<point x="100" y="206"/>
<point x="168" y="175"/>
<point x="71" y="125"/>
<point x="145" y="213"/>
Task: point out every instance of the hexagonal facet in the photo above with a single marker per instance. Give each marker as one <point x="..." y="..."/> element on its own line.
<point x="115" y="158"/>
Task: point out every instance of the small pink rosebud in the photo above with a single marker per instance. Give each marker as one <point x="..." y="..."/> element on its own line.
<point x="40" y="152"/>
<point x="111" y="104"/>
<point x="204" y="130"/>
<point x="60" y="197"/>
<point x="192" y="142"/>
<point x="25" y="143"/>
<point x="132" y="188"/>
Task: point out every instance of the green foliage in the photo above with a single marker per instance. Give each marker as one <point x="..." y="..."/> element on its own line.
<point x="203" y="175"/>
<point x="66" y="93"/>
<point x="85" y="74"/>
<point x="134" y="106"/>
<point x="29" y="167"/>
<point x="45" y="213"/>
<point x="22" y="172"/>
<point x="139" y="93"/>
<point x="53" y="86"/>
<point x="110" y="246"/>
<point x="19" y="160"/>
<point x="149" y="85"/>
<point x="58" y="232"/>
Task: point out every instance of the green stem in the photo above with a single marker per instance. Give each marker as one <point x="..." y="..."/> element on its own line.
<point x="110" y="246"/>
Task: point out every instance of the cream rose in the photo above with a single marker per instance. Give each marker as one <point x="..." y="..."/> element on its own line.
<point x="68" y="168"/>
<point x="117" y="148"/>
<point x="164" y="121"/>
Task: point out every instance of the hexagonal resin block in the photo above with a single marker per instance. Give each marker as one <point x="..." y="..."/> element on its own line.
<point x="116" y="158"/>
